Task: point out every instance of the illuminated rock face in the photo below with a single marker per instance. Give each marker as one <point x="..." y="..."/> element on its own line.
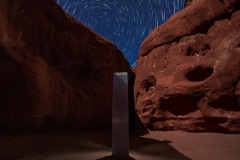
<point x="188" y="70"/>
<point x="54" y="72"/>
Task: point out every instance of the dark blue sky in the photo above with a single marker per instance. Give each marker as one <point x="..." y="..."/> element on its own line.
<point x="124" y="22"/>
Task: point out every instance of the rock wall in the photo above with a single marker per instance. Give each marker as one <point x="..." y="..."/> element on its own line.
<point x="54" y="71"/>
<point x="188" y="70"/>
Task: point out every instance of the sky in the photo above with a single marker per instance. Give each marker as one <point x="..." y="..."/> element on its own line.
<point x="124" y="22"/>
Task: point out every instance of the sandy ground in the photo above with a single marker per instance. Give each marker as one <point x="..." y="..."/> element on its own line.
<point x="97" y="146"/>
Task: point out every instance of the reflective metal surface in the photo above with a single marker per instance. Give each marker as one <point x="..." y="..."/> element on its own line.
<point x="120" y="129"/>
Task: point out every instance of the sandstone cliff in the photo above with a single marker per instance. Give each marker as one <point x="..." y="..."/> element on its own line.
<point x="54" y="72"/>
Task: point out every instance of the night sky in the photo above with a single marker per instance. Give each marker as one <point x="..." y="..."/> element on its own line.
<point x="124" y="22"/>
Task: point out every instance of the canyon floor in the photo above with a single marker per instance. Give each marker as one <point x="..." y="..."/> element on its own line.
<point x="156" y="145"/>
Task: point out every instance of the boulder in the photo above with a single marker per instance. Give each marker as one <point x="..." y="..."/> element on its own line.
<point x="188" y="70"/>
<point x="54" y="71"/>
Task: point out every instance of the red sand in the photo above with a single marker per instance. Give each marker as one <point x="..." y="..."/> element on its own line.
<point x="97" y="145"/>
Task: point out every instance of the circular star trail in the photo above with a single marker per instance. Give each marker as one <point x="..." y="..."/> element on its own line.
<point x="124" y="22"/>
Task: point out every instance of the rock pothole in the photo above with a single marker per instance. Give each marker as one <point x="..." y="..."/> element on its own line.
<point x="180" y="104"/>
<point x="200" y="73"/>
<point x="150" y="81"/>
<point x="228" y="103"/>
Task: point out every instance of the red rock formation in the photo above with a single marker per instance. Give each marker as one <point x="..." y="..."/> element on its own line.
<point x="188" y="70"/>
<point x="54" y="72"/>
<point x="188" y="2"/>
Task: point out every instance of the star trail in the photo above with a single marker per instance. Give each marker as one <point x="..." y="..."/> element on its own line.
<point x="124" y="22"/>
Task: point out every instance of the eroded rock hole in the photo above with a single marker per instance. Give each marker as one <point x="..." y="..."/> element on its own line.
<point x="205" y="47"/>
<point x="228" y="103"/>
<point x="180" y="104"/>
<point x="150" y="81"/>
<point x="199" y="51"/>
<point x="200" y="73"/>
<point x="190" y="51"/>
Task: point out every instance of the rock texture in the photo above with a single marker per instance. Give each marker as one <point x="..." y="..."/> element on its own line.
<point x="54" y="72"/>
<point x="188" y="2"/>
<point x="188" y="70"/>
